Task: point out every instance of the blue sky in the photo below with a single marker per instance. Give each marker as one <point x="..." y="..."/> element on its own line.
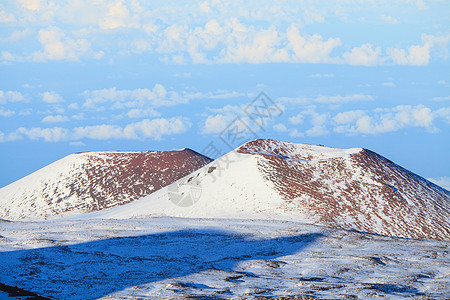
<point x="158" y="75"/>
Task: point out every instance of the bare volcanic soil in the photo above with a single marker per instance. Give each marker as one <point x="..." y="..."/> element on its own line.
<point x="362" y="190"/>
<point x="94" y="181"/>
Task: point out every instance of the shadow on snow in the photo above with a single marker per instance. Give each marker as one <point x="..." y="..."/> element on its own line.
<point x="98" y="268"/>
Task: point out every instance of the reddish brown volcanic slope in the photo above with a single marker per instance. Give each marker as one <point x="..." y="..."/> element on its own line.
<point x="93" y="181"/>
<point x="361" y="190"/>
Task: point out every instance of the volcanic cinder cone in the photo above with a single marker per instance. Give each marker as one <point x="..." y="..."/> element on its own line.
<point x="344" y="188"/>
<point x="92" y="181"/>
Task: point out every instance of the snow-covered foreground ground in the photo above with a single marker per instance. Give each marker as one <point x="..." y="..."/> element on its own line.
<point x="178" y="258"/>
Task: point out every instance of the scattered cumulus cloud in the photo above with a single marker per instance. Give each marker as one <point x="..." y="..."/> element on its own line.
<point x="366" y="55"/>
<point x="117" y="16"/>
<point x="443" y="113"/>
<point x="389" y="19"/>
<point x="11" y="96"/>
<point x="142" y="113"/>
<point x="30" y="4"/>
<point x="327" y="75"/>
<point x="312" y="122"/>
<point x="329" y="99"/>
<point x="7" y="112"/>
<point x="280" y="127"/>
<point x="118" y="99"/>
<point x="318" y="130"/>
<point x="55" y="134"/>
<point x="52" y="97"/>
<point x="57" y="46"/>
<point x="6" y="17"/>
<point x="445" y="98"/>
<point x="415" y="55"/>
<point x="343" y="99"/>
<point x="384" y="120"/>
<point x="55" y="119"/>
<point x="210" y="32"/>
<point x="296" y="133"/>
<point x="297" y="119"/>
<point x="217" y="123"/>
<point x="146" y="129"/>
<point x="153" y="129"/>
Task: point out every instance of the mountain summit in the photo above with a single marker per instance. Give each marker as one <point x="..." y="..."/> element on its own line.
<point x="91" y="181"/>
<point x="353" y="189"/>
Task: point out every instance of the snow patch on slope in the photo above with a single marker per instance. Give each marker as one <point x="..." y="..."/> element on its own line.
<point x="232" y="186"/>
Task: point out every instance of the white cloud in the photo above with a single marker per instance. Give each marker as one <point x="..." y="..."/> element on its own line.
<point x="295" y="100"/>
<point x="446" y="98"/>
<point x="117" y="16"/>
<point x="158" y="96"/>
<point x="327" y="75"/>
<point x="74" y="105"/>
<point x="141" y="113"/>
<point x="225" y="94"/>
<point x="343" y="99"/>
<point x="59" y="47"/>
<point x="296" y="120"/>
<point x="443" y="113"/>
<point x="13" y="136"/>
<point x="389" y="19"/>
<point x="204" y="7"/>
<point x="18" y="35"/>
<point x="348" y="116"/>
<point x="30" y="4"/>
<point x="99" y="132"/>
<point x="366" y="55"/>
<point x="6" y="56"/>
<point x="310" y="49"/>
<point x="154" y="129"/>
<point x="25" y="112"/>
<point x="296" y="133"/>
<point x="391" y="84"/>
<point x="212" y="31"/>
<point x="385" y="120"/>
<point x="11" y="96"/>
<point x="52" y="97"/>
<point x="55" y="134"/>
<point x="442" y="182"/>
<point x="6" y="17"/>
<point x="416" y="55"/>
<point x="55" y="119"/>
<point x="228" y="109"/>
<point x="217" y="123"/>
<point x="318" y="130"/>
<point x="280" y="127"/>
<point x="79" y="117"/>
<point x="336" y="99"/>
<point x="439" y="43"/>
<point x="6" y="113"/>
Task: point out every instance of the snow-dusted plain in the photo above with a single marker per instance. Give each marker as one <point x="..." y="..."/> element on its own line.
<point x="178" y="258"/>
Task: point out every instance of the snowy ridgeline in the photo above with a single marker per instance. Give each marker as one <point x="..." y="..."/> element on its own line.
<point x="181" y="258"/>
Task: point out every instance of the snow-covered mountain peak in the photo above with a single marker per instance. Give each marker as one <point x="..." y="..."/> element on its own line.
<point x="91" y="181"/>
<point x="294" y="151"/>
<point x="344" y="188"/>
